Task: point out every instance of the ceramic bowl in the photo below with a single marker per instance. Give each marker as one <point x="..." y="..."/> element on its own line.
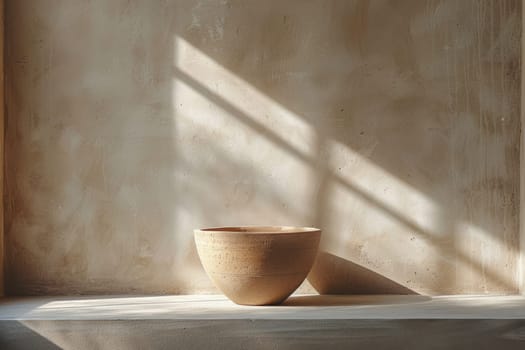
<point x="257" y="265"/>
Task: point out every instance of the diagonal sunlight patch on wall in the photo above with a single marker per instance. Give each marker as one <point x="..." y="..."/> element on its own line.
<point x="481" y="255"/>
<point x="234" y="166"/>
<point x="261" y="149"/>
<point x="267" y="113"/>
<point x="353" y="166"/>
<point x="380" y="207"/>
<point x="237" y="146"/>
<point x="201" y="80"/>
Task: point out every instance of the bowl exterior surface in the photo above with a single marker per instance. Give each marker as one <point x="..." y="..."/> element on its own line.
<point x="253" y="268"/>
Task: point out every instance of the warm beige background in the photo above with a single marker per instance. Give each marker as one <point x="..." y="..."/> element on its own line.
<point x="521" y="267"/>
<point x="392" y="125"/>
<point x="2" y="146"/>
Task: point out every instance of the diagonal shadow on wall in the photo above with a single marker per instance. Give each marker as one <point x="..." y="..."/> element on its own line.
<point x="408" y="110"/>
<point x="413" y="88"/>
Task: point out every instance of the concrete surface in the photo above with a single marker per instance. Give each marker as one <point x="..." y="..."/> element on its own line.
<point x="392" y="125"/>
<point x="212" y="322"/>
<point x="315" y="307"/>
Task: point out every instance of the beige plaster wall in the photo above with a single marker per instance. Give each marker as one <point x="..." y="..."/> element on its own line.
<point x="2" y="147"/>
<point x="392" y="125"/>
<point x="521" y="267"/>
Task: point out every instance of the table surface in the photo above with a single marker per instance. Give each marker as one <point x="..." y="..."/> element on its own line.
<point x="308" y="307"/>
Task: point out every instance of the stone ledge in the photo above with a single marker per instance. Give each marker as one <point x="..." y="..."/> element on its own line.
<point x="210" y="321"/>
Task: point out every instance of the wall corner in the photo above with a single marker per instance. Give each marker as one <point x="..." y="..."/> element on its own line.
<point x="521" y="251"/>
<point x="2" y="138"/>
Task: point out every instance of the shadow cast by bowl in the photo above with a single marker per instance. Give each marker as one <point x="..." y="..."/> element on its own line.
<point x="334" y="275"/>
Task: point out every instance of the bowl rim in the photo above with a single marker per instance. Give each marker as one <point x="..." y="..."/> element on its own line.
<point x="258" y="229"/>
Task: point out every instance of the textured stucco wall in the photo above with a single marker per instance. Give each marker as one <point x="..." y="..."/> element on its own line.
<point x="2" y="147"/>
<point x="521" y="267"/>
<point x="392" y="125"/>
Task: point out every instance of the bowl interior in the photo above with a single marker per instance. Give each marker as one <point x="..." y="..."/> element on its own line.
<point x="260" y="229"/>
